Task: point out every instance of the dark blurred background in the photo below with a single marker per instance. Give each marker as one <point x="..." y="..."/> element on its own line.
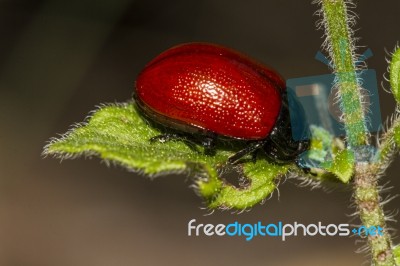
<point x="59" y="59"/>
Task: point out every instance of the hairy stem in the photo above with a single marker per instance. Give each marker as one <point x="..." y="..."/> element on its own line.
<point x="341" y="50"/>
<point x="390" y="141"/>
<point x="389" y="145"/>
<point x="366" y="190"/>
<point x="395" y="74"/>
<point x="367" y="199"/>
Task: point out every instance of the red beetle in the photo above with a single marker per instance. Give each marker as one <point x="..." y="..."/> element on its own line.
<point x="205" y="90"/>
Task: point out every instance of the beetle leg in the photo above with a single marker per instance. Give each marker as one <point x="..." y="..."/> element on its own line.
<point x="209" y="146"/>
<point x="209" y="143"/>
<point x="254" y="155"/>
<point x="252" y="147"/>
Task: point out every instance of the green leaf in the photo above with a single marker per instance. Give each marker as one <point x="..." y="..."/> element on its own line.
<point x="118" y="133"/>
<point x="394" y="70"/>
<point x="396" y="253"/>
<point x="321" y="144"/>
<point x="330" y="155"/>
<point x="342" y="165"/>
<point x="260" y="177"/>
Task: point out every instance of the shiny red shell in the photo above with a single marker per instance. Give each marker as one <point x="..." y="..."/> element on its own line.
<point x="211" y="88"/>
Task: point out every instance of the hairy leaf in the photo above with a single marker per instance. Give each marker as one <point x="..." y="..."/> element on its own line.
<point x="118" y="133"/>
<point x="328" y="156"/>
<point x="341" y="166"/>
<point x="257" y="184"/>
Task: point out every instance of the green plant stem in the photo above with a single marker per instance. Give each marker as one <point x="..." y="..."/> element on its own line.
<point x="389" y="145"/>
<point x="367" y="199"/>
<point x="390" y="141"/>
<point x="366" y="191"/>
<point x="395" y="74"/>
<point x="341" y="49"/>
